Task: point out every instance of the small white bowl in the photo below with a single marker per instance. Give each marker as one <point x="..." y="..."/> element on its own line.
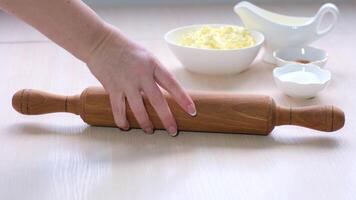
<point x="301" y="80"/>
<point x="304" y="55"/>
<point x="212" y="61"/>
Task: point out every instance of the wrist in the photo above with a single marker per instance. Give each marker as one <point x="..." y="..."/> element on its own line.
<point x="99" y="38"/>
<point x="111" y="41"/>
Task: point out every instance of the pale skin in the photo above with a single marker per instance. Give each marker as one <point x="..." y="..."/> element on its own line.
<point x="125" y="69"/>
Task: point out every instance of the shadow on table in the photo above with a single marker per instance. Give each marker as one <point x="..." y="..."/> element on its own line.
<point x="185" y="140"/>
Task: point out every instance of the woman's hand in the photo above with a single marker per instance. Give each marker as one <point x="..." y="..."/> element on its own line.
<point x="123" y="67"/>
<point x="126" y="69"/>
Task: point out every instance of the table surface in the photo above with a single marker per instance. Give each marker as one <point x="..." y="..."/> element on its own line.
<point x="57" y="156"/>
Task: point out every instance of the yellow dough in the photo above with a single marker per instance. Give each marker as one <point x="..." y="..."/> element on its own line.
<point x="224" y="37"/>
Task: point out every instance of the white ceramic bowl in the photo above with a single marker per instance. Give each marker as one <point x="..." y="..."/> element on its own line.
<point x="301" y="80"/>
<point x="300" y="54"/>
<point x="212" y="61"/>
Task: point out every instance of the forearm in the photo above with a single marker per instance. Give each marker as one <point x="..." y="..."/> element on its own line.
<point x="126" y="69"/>
<point x="69" y="23"/>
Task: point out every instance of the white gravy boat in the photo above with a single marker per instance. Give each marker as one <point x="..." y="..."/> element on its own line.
<point x="282" y="31"/>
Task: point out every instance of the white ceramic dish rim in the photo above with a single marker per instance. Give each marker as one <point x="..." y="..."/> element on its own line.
<point x="321" y="71"/>
<point x="308" y="20"/>
<point x="275" y="55"/>
<point x="213" y="25"/>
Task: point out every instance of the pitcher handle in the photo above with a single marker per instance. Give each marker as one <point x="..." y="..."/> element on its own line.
<point x="325" y="9"/>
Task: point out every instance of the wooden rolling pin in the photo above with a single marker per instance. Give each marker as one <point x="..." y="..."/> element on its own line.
<point x="224" y="113"/>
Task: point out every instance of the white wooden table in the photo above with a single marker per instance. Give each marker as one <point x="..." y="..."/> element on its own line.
<point x="57" y="156"/>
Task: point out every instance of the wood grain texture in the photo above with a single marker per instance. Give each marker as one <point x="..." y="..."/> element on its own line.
<point x="217" y="112"/>
<point x="322" y="117"/>
<point x="57" y="157"/>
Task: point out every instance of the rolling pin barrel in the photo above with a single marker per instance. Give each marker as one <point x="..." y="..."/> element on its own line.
<point x="226" y="113"/>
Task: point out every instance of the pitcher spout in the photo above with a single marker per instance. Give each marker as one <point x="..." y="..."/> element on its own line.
<point x="242" y="7"/>
<point x="248" y="14"/>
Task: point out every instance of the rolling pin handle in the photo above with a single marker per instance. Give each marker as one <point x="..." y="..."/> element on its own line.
<point x="34" y="102"/>
<point x="322" y="118"/>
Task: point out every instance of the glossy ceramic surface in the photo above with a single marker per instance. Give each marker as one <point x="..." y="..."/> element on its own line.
<point x="283" y="31"/>
<point x="301" y="80"/>
<point x="304" y="55"/>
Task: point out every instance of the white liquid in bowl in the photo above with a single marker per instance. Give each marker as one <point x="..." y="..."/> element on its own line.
<point x="301" y="80"/>
<point x="302" y="77"/>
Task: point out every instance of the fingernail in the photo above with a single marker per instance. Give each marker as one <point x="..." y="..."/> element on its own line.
<point x="148" y="130"/>
<point x="126" y="126"/>
<point x="191" y="110"/>
<point x="172" y="131"/>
